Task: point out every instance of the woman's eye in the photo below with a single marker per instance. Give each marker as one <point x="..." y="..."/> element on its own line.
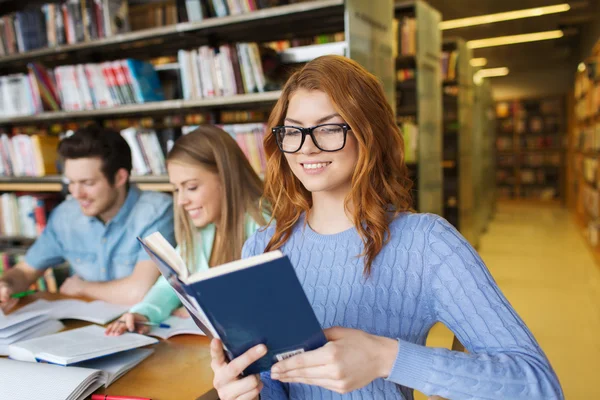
<point x="192" y="188"/>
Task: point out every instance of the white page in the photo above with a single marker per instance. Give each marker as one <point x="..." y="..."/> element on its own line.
<point x="179" y="326"/>
<point x="117" y="365"/>
<point x="77" y="345"/>
<point x="28" y="381"/>
<point x="13" y="324"/>
<point x="44" y="328"/>
<point x="98" y="312"/>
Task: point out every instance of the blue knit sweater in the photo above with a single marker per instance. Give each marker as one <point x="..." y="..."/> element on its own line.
<point x="427" y="273"/>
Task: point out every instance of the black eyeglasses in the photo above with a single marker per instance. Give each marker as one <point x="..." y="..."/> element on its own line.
<point x="327" y="137"/>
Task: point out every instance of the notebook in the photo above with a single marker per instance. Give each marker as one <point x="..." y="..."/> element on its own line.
<point x="26" y="325"/>
<point x="97" y="312"/>
<point x="244" y="303"/>
<point x="34" y="381"/>
<point x="43" y="328"/>
<point x="178" y="326"/>
<point x="75" y="346"/>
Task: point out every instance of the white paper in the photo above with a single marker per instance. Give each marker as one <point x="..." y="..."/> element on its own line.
<point x="179" y="326"/>
<point x="27" y="381"/>
<point x="77" y="345"/>
<point x="97" y="312"/>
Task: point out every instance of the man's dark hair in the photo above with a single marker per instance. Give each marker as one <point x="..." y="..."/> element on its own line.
<point x="104" y="143"/>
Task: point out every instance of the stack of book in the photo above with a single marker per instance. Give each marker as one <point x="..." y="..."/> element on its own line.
<point x="250" y="139"/>
<point x="449" y="65"/>
<point x="28" y="155"/>
<point x="66" y="22"/>
<point x="25" y="215"/>
<point x="147" y="156"/>
<point x="79" y="87"/>
<point x="224" y="71"/>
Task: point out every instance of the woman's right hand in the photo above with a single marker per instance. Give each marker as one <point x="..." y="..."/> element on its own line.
<point x="127" y="322"/>
<point x="228" y="382"/>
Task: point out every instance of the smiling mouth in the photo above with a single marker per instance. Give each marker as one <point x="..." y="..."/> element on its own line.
<point x="315" y="166"/>
<point x="194" y="212"/>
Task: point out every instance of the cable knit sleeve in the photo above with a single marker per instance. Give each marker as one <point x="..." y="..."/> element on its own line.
<point x="272" y="390"/>
<point x="503" y="361"/>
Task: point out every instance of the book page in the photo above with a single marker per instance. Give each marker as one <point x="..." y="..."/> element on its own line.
<point x="98" y="312"/>
<point x="15" y="323"/>
<point x="79" y="345"/>
<point x="164" y="250"/>
<point x="117" y="365"/>
<point x="178" y="326"/>
<point x="34" y="381"/>
<point x="44" y="328"/>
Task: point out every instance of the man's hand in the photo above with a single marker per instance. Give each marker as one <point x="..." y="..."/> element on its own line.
<point x="6" y="302"/>
<point x="73" y="286"/>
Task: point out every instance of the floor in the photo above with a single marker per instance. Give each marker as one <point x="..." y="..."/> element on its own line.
<point x="543" y="265"/>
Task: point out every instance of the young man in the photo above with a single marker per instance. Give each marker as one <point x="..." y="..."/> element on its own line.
<point x="96" y="230"/>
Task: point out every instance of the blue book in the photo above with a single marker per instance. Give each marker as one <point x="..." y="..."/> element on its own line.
<point x="144" y="81"/>
<point x="257" y="300"/>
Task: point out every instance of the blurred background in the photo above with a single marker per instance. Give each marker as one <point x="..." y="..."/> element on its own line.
<point x="498" y="102"/>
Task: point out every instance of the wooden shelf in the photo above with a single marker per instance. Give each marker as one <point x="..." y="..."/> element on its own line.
<point x="54" y="183"/>
<point x="154" y="107"/>
<point x="266" y="24"/>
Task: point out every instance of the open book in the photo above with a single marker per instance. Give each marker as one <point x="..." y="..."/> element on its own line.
<point x="178" y="326"/>
<point x="244" y="303"/>
<point x="34" y="381"/>
<point x="77" y="345"/>
<point x="97" y="312"/>
<point x="25" y="325"/>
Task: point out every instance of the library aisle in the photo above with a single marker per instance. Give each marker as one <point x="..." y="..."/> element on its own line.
<point x="541" y="262"/>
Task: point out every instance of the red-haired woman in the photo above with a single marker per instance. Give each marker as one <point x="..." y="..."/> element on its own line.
<point x="378" y="276"/>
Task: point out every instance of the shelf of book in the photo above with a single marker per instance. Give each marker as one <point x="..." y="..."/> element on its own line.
<point x="418" y="99"/>
<point x="457" y="86"/>
<point x="54" y="183"/>
<point x="282" y="21"/>
<point x="168" y="106"/>
<point x="531" y="132"/>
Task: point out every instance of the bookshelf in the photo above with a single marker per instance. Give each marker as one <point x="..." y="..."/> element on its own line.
<point x="418" y="100"/>
<point x="250" y="100"/>
<point x="367" y="32"/>
<point x="458" y="154"/>
<point x="484" y="131"/>
<point x="529" y="145"/>
<point x="584" y="149"/>
<point x="299" y="19"/>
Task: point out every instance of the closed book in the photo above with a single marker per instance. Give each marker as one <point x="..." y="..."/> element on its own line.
<point x="258" y="300"/>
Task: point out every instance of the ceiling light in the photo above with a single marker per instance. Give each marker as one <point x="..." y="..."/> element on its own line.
<point x="492" y="72"/>
<point x="504" y="16"/>
<point x="514" y="39"/>
<point x="478" y="62"/>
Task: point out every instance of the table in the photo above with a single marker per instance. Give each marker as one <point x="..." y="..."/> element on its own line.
<point x="179" y="368"/>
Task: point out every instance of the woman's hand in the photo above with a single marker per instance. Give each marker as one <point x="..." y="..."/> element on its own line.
<point x="227" y="381"/>
<point x="181" y="312"/>
<point x="350" y="360"/>
<point x="127" y="322"/>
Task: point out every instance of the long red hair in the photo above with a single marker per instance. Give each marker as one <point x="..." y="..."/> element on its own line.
<point x="380" y="182"/>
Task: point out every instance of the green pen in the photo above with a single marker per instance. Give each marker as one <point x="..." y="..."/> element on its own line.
<point x="22" y="294"/>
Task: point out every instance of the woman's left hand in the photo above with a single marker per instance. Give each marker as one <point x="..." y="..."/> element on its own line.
<point x="350" y="360"/>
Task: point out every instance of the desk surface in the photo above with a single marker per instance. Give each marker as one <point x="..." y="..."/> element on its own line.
<point x="179" y="369"/>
